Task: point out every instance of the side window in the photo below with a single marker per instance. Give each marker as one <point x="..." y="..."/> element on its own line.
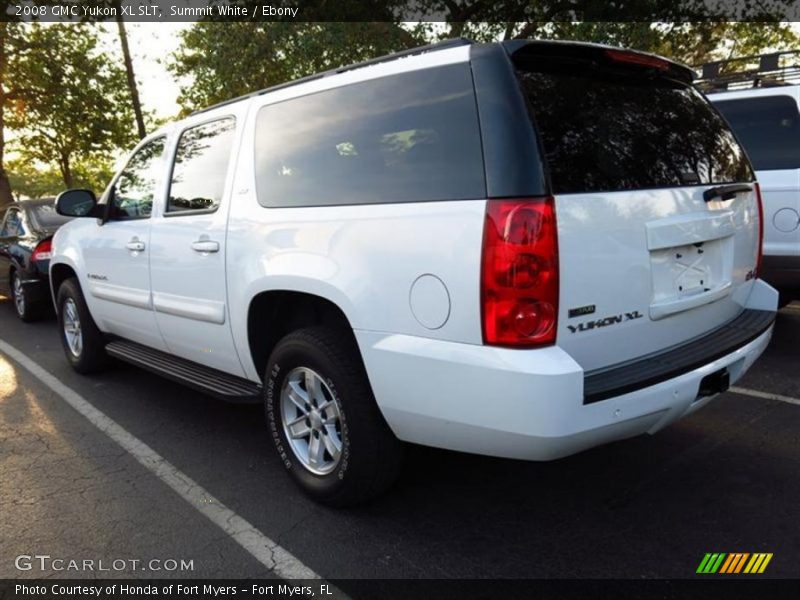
<point x="132" y="196"/>
<point x="769" y="129"/>
<point x="201" y="163"/>
<point x="412" y="137"/>
<point x="13" y="225"/>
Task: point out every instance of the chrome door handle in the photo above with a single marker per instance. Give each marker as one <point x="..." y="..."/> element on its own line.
<point x="205" y="246"/>
<point x="135" y="245"/>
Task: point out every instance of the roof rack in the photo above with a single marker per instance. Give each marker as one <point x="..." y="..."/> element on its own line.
<point x="766" y="70"/>
<point x="449" y="43"/>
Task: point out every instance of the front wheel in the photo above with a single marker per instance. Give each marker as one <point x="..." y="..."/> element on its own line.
<point x="323" y="419"/>
<point x="83" y="342"/>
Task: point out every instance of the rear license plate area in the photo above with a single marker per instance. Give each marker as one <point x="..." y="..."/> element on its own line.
<point x="683" y="271"/>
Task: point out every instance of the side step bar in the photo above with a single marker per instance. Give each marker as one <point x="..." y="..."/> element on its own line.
<point x="204" y="379"/>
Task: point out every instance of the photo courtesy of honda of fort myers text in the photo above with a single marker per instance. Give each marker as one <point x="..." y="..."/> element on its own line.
<point x="399" y="300"/>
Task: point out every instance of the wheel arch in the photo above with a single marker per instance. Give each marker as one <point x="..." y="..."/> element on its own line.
<point x="273" y="314"/>
<point x="59" y="273"/>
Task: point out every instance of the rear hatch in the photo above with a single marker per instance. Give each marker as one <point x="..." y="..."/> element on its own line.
<point x="650" y="255"/>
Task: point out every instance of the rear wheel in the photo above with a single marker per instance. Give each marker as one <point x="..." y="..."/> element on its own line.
<point x="84" y="344"/>
<point x="26" y="310"/>
<point x="324" y="421"/>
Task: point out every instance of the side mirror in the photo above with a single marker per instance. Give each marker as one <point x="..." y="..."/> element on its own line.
<point x="78" y="203"/>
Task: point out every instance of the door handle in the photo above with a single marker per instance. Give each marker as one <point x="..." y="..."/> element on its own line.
<point x="135" y="245"/>
<point x="725" y="192"/>
<point x="205" y="246"/>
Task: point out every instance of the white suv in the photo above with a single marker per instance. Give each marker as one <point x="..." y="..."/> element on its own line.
<point x="761" y="106"/>
<point x="521" y="250"/>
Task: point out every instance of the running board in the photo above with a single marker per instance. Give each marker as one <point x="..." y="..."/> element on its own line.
<point x="204" y="379"/>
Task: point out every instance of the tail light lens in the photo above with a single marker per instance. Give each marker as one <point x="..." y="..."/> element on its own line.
<point x="519" y="273"/>
<point x="43" y="251"/>
<point x="760" y="252"/>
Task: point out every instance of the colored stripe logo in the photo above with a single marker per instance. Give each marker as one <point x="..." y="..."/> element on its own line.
<point x="734" y="563"/>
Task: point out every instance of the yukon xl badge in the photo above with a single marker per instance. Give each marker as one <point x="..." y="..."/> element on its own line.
<point x="605" y="322"/>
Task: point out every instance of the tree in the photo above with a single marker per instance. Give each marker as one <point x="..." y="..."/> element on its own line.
<point x="131" y="76"/>
<point x="222" y="61"/>
<point x="73" y="103"/>
<point x="225" y="60"/>
<point x="29" y="180"/>
<point x="10" y="48"/>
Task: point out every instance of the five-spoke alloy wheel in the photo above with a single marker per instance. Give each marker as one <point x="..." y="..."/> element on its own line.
<point x="324" y="421"/>
<point x="84" y="344"/>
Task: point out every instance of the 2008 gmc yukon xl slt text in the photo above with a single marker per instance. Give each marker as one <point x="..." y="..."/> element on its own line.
<point x="521" y="250"/>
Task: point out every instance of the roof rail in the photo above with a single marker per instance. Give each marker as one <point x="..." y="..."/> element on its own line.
<point x="765" y="70"/>
<point x="449" y="43"/>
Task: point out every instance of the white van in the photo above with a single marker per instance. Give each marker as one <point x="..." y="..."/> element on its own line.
<point x="522" y="250"/>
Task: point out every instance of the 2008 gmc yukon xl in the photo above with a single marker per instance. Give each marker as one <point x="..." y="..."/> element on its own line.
<point x="521" y="250"/>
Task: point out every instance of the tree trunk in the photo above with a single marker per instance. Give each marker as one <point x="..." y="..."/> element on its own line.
<point x="66" y="171"/>
<point x="5" y="184"/>
<point x="126" y="54"/>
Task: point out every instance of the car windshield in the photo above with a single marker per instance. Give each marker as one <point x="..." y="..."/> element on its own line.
<point x="46" y="216"/>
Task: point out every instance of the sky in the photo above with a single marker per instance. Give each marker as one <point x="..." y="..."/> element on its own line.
<point x="150" y="44"/>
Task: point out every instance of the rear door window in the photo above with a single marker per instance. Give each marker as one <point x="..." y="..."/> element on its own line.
<point x="403" y="138"/>
<point x="769" y="129"/>
<point x="613" y="131"/>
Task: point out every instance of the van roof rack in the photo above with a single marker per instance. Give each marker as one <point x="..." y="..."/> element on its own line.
<point x="449" y="43"/>
<point x="765" y="70"/>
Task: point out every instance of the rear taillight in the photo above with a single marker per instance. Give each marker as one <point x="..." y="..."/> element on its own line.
<point x="43" y="251"/>
<point x="519" y="273"/>
<point x="760" y="252"/>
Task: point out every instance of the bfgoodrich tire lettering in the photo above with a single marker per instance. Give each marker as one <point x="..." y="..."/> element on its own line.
<point x="370" y="456"/>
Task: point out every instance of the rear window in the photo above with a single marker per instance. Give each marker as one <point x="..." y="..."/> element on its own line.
<point x="769" y="129"/>
<point x="404" y="138"/>
<point x="615" y="131"/>
<point x="47" y="217"/>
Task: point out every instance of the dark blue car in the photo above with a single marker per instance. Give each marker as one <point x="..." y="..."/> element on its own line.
<point x="26" y="232"/>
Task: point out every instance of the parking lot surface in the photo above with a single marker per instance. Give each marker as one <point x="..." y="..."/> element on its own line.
<point x="726" y="479"/>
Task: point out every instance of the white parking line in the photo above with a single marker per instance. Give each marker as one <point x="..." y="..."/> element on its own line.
<point x="764" y="395"/>
<point x="276" y="558"/>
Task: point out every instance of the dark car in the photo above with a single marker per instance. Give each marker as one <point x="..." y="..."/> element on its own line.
<point x="26" y="232"/>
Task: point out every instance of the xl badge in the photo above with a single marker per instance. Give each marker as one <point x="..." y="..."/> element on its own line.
<point x="605" y="322"/>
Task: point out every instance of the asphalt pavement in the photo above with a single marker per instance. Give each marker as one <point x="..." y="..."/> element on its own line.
<point x="726" y="479"/>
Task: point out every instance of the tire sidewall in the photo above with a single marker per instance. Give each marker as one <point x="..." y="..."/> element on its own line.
<point x="90" y="358"/>
<point x="24" y="315"/>
<point x="286" y="358"/>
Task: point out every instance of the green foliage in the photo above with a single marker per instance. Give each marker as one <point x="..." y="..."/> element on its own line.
<point x="29" y="180"/>
<point x="73" y="104"/>
<point x="225" y="60"/>
<point x="219" y="61"/>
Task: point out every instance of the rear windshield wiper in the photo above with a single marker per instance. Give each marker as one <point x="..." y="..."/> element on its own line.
<point x="726" y="192"/>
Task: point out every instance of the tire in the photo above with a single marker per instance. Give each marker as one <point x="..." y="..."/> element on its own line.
<point x="89" y="356"/>
<point x="26" y="311"/>
<point x="370" y="455"/>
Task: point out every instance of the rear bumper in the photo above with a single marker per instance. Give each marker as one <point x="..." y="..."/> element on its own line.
<point x="526" y="404"/>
